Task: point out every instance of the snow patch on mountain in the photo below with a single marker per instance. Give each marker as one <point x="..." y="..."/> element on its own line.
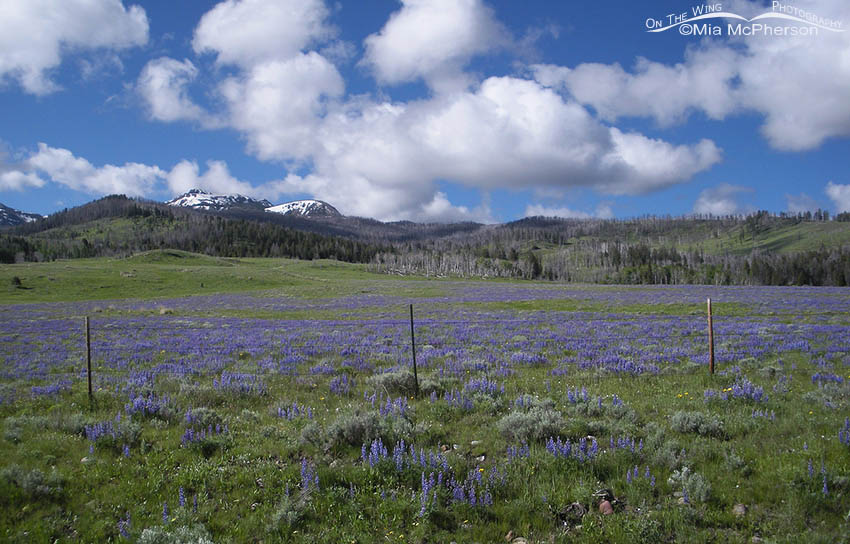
<point x="202" y="200"/>
<point x="306" y="208"/>
<point x="10" y="217"/>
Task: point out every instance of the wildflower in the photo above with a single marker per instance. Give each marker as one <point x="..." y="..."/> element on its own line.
<point x="124" y="526"/>
<point x="181" y="497"/>
<point x="165" y="512"/>
<point x="679" y="396"/>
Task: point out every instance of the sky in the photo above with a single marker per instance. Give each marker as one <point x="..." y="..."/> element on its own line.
<point x="430" y="110"/>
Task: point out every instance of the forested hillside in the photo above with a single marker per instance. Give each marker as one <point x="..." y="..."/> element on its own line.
<point x="760" y="249"/>
<point x="118" y="226"/>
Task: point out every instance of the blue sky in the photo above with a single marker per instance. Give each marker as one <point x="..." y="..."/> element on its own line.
<point x="429" y="110"/>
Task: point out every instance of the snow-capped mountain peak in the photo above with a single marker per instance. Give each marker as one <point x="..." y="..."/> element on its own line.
<point x="10" y="217"/>
<point x="305" y="208"/>
<point x="202" y="200"/>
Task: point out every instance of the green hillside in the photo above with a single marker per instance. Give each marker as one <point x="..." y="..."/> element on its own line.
<point x="759" y="249"/>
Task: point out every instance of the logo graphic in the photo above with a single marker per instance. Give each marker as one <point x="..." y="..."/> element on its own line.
<point x="699" y="21"/>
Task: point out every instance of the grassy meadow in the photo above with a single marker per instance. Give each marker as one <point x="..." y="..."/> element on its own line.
<point x="268" y="400"/>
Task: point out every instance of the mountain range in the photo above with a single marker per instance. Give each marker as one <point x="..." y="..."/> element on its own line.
<point x="760" y="248"/>
<point x="12" y="217"/>
<point x="198" y="199"/>
<point x="201" y="200"/>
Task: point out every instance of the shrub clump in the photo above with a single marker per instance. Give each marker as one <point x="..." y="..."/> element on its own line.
<point x="179" y="535"/>
<point x="693" y="485"/>
<point x="436" y="384"/>
<point x="203" y="417"/>
<point x="614" y="409"/>
<point x="359" y="427"/>
<point x="533" y="425"/>
<point x="397" y="381"/>
<point x="34" y="482"/>
<point x="697" y="422"/>
<point x="113" y="433"/>
<point x="291" y="510"/>
<point x="664" y="451"/>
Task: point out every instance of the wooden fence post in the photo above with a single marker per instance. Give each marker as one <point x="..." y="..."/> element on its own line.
<point x="710" y="341"/>
<point x="88" y="359"/>
<point x="413" y="349"/>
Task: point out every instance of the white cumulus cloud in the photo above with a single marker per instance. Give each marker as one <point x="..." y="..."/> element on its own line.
<point x="433" y="40"/>
<point x="35" y="34"/>
<point x="721" y="200"/>
<point x="248" y="32"/>
<point x="163" y="87"/>
<point x="62" y="167"/>
<point x="278" y="105"/>
<point x="840" y="196"/>
<point x="603" y="211"/>
<point x="15" y="180"/>
<point x="666" y="93"/>
<point x="801" y="203"/>
<point x="775" y="77"/>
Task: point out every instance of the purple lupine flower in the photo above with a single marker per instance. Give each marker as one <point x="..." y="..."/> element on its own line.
<point x="309" y="476"/>
<point x="426" y="490"/>
<point x="165" y="512"/>
<point x="124" y="526"/>
<point x="195" y="504"/>
<point x="126" y="451"/>
<point x="181" y="497"/>
<point x="398" y="455"/>
<point x="341" y="385"/>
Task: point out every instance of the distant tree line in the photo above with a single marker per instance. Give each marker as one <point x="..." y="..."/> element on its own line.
<point x="648" y="250"/>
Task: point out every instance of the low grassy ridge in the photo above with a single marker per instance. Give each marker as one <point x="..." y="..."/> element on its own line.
<point x="164" y="273"/>
<point x="283" y="408"/>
